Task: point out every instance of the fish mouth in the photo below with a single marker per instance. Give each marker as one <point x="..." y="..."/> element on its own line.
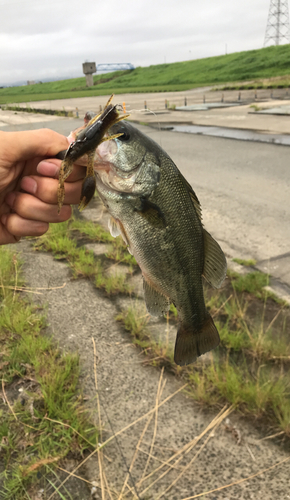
<point x="110" y="151"/>
<point x="107" y="165"/>
<point x="111" y="175"/>
<point x="105" y="186"/>
<point x="108" y="176"/>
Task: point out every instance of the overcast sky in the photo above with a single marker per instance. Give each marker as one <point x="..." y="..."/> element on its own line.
<point x="51" y="39"/>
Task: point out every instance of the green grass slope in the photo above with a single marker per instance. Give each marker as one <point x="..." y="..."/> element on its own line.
<point x="240" y="66"/>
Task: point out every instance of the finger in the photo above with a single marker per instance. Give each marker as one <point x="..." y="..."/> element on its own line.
<point x="45" y="189"/>
<point x="50" y="168"/>
<point x="29" y="207"/>
<point x="32" y="143"/>
<point x="16" y="227"/>
<point x="5" y="236"/>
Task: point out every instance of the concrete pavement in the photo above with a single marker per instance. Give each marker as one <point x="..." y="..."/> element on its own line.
<point x="239" y="117"/>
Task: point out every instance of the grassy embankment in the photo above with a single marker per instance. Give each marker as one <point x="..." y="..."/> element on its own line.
<point x="42" y="417"/>
<point x="250" y="369"/>
<point x="238" y="67"/>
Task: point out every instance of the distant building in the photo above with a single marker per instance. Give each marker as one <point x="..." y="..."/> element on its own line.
<point x="88" y="69"/>
<point x="30" y="82"/>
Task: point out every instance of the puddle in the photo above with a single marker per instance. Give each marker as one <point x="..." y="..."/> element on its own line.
<point x="279" y="110"/>
<point x="233" y="133"/>
<point x="207" y="105"/>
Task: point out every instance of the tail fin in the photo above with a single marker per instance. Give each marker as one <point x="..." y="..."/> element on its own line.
<point x="190" y="344"/>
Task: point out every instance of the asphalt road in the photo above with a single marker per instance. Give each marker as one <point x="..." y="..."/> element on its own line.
<point x="243" y="187"/>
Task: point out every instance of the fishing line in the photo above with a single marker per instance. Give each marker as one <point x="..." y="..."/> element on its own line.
<point x="147" y="110"/>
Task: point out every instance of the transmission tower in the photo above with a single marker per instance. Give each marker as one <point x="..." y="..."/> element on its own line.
<point x="278" y="23"/>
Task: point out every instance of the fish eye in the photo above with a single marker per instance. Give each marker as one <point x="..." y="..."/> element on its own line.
<point x="125" y="135"/>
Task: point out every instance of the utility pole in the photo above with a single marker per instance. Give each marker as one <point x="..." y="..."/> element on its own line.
<point x="277" y="29"/>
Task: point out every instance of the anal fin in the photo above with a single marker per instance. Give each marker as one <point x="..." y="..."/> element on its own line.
<point x="156" y="303"/>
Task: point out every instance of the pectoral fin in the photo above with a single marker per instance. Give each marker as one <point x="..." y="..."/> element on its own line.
<point x="156" y="303"/>
<point x="114" y="227"/>
<point x="117" y="229"/>
<point x="215" y="264"/>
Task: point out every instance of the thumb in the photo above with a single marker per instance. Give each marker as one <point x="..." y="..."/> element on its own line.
<point x="31" y="143"/>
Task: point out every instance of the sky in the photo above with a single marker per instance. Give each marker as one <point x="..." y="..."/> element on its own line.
<point x="51" y="39"/>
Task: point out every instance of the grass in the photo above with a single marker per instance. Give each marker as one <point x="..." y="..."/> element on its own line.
<point x="95" y="232"/>
<point x="255" y="107"/>
<point x="252" y="283"/>
<point x="244" y="262"/>
<point x="43" y="419"/>
<point x="29" y="109"/>
<point x="276" y="82"/>
<point x="62" y="241"/>
<point x="241" y="66"/>
<point x="119" y="253"/>
<point x="250" y="367"/>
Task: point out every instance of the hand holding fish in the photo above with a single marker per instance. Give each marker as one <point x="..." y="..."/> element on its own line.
<point x="28" y="184"/>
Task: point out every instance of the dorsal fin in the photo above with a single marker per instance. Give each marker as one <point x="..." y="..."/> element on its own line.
<point x="215" y="264"/>
<point x="194" y="199"/>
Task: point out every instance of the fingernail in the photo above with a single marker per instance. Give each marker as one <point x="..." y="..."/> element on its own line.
<point x="10" y="199"/>
<point x="4" y="219"/>
<point x="48" y="169"/>
<point x="29" y="185"/>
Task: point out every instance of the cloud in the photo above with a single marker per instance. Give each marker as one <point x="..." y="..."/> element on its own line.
<point x="41" y="39"/>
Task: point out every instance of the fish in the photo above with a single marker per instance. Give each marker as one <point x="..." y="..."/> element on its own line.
<point x="158" y="214"/>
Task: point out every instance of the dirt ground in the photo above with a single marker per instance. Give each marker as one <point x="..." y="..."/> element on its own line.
<point x="129" y="389"/>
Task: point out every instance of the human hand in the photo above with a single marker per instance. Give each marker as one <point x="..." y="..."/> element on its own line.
<point x="28" y="183"/>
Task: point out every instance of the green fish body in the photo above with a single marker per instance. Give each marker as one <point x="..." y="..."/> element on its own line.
<point x="159" y="216"/>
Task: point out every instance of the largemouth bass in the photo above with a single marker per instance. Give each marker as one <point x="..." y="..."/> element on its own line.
<point x="158" y="215"/>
